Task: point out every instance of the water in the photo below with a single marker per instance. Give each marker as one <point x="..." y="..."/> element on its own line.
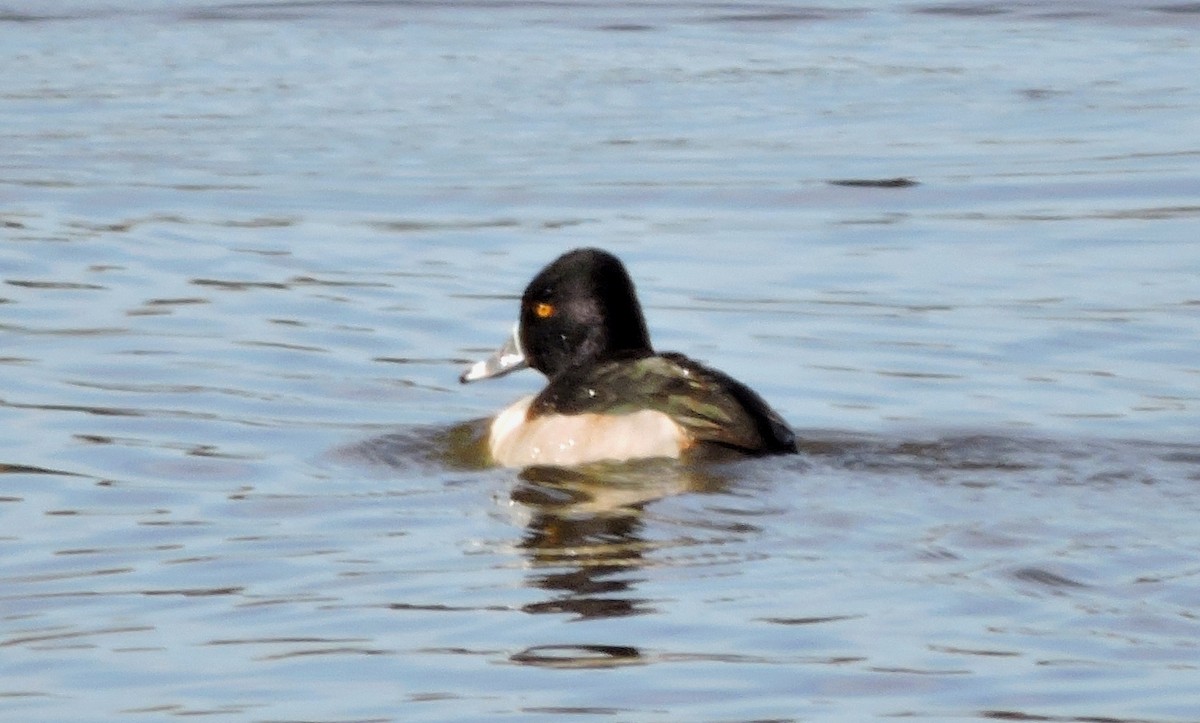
<point x="246" y="247"/>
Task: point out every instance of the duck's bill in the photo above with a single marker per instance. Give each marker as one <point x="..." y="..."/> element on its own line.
<point x="508" y="358"/>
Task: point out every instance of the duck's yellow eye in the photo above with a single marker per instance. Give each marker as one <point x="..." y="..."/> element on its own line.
<point x="543" y="310"/>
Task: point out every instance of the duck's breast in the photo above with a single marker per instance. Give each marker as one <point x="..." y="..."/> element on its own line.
<point x="516" y="440"/>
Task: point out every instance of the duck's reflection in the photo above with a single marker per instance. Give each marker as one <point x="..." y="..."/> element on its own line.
<point x="589" y="564"/>
<point x="585" y="546"/>
<point x="584" y="540"/>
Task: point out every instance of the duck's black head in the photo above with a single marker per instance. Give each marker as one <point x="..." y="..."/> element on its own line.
<point x="581" y="309"/>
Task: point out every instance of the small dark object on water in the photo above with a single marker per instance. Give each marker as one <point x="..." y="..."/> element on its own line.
<point x="875" y="182"/>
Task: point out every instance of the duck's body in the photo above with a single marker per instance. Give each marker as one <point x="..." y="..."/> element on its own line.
<point x="610" y="396"/>
<point x="517" y="438"/>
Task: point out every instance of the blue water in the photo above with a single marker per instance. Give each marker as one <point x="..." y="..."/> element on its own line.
<point x="246" y="248"/>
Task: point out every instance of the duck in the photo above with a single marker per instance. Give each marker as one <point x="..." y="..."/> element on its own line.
<point x="610" y="397"/>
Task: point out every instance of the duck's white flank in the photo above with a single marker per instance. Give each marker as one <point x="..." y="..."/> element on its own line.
<point x="565" y="440"/>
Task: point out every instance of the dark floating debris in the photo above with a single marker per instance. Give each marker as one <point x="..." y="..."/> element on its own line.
<point x="875" y="182"/>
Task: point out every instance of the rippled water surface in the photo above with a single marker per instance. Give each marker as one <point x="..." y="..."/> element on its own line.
<point x="245" y="249"/>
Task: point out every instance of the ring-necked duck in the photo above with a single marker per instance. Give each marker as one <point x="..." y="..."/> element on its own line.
<point x="610" y="396"/>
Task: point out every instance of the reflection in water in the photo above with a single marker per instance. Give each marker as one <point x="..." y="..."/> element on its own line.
<point x="579" y="656"/>
<point x="584" y="539"/>
<point x="585" y="536"/>
<point x="585" y="544"/>
<point x="597" y="553"/>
